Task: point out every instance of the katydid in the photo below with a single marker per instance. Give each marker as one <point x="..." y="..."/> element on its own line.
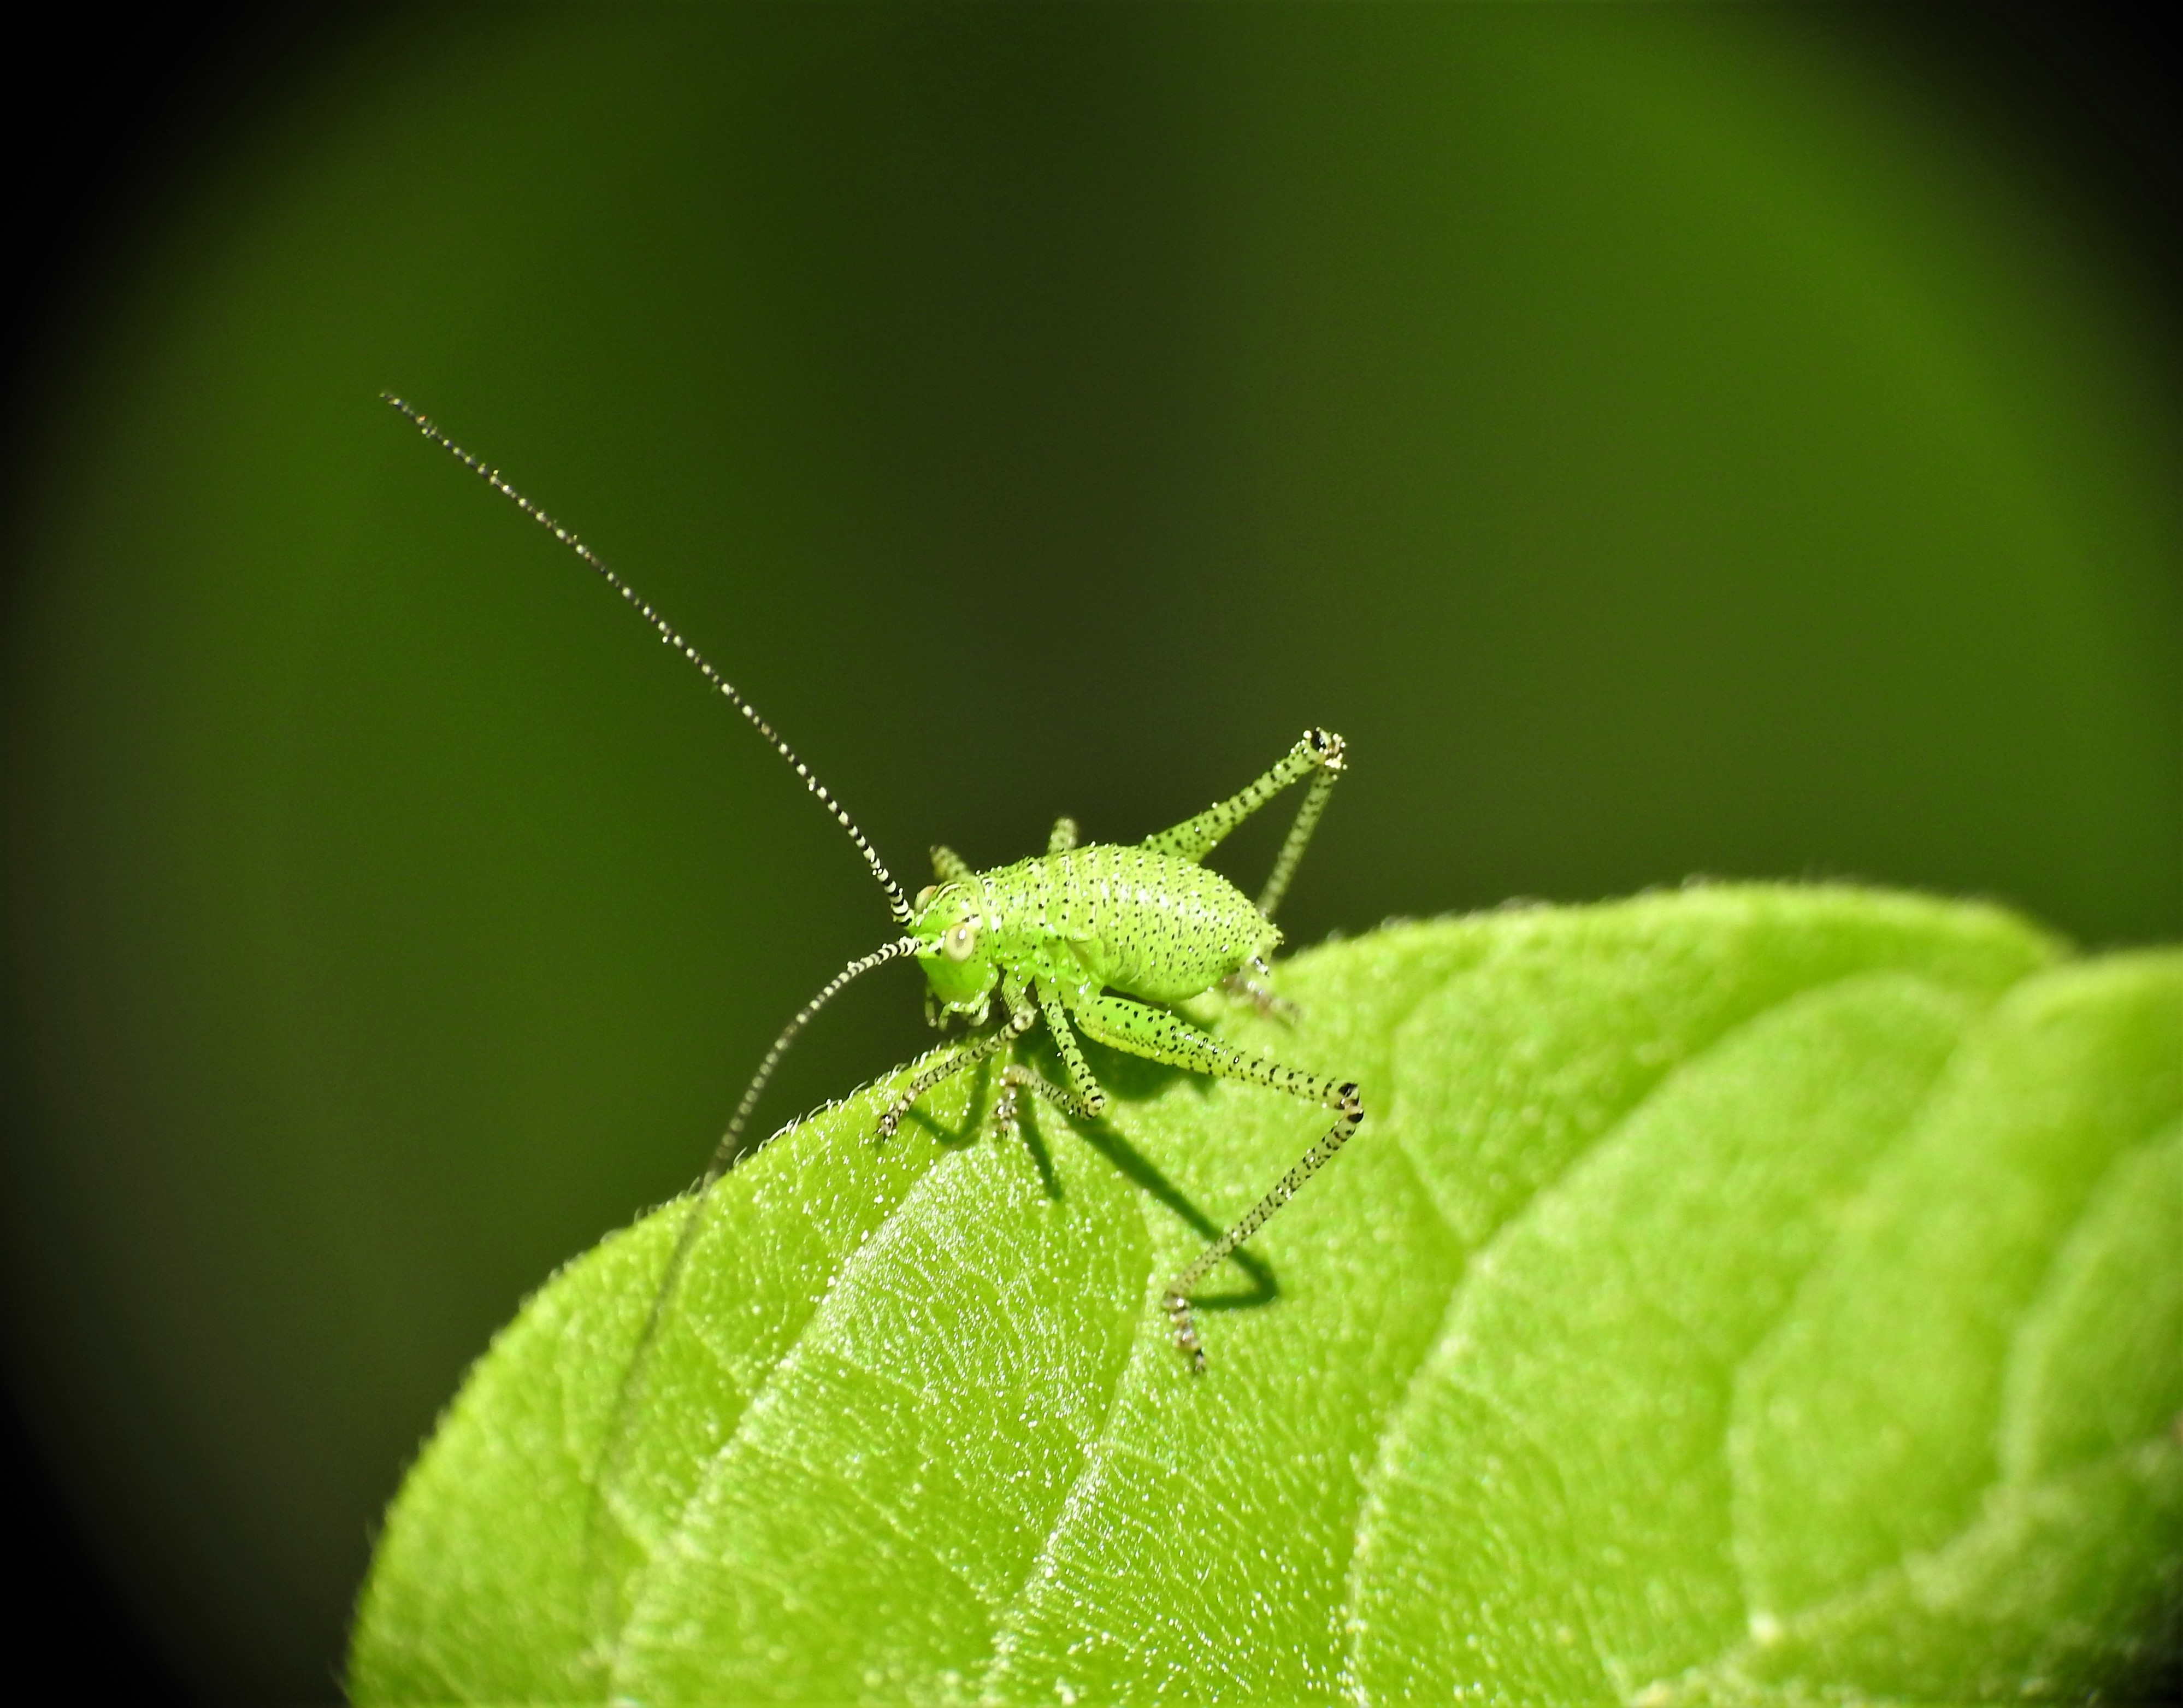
<point x="1100" y="938"/>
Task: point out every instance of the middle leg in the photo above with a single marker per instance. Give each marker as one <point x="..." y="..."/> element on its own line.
<point x="1083" y="1097"/>
<point x="973" y="1052"/>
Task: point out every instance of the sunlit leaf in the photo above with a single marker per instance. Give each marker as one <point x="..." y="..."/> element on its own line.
<point x="1739" y="1294"/>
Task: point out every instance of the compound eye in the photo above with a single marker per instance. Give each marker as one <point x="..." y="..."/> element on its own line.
<point x="925" y="895"/>
<point x="960" y="940"/>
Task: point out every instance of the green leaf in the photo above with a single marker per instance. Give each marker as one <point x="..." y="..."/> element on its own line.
<point x="1743" y="1294"/>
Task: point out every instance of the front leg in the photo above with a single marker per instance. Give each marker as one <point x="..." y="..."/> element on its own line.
<point x="971" y="1053"/>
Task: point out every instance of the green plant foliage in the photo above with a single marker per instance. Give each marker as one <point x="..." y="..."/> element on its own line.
<point x="1742" y="1294"/>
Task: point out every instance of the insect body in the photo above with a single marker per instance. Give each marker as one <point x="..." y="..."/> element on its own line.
<point x="1101" y="939"/>
<point x="1093" y="938"/>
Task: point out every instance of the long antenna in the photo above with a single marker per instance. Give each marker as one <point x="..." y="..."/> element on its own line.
<point x="898" y="902"/>
<point x="730" y="1145"/>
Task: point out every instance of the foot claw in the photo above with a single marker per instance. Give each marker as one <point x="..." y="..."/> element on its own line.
<point x="1185" y="1332"/>
<point x="1245" y="988"/>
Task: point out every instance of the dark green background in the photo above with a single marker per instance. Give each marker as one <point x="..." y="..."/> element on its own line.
<point x="1662" y="443"/>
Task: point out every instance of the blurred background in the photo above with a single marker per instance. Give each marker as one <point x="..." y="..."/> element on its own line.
<point x="1663" y="441"/>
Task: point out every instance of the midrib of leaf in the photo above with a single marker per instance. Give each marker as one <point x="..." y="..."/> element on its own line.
<point x="846" y="1280"/>
<point x="755" y="1403"/>
<point x="654" y="1540"/>
<point x="864" y="1297"/>
<point x="1109" y="1495"/>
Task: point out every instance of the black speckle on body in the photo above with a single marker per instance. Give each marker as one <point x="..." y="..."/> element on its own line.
<point x="1146" y="924"/>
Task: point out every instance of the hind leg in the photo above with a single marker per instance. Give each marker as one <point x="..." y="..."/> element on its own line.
<point x="1142" y="1030"/>
<point x="1319" y="751"/>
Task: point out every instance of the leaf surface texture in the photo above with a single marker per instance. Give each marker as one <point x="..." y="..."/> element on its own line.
<point x="1742" y="1294"/>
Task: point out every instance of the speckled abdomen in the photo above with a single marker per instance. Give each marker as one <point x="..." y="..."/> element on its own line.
<point x="1146" y="924"/>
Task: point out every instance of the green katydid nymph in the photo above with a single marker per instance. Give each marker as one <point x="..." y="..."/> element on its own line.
<point x="1099" y="938"/>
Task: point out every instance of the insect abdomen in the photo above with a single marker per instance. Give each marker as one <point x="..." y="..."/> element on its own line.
<point x="1146" y="924"/>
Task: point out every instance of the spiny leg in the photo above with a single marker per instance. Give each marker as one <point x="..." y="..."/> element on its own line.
<point x="1349" y="1104"/>
<point x="1083" y="1097"/>
<point x="1145" y="1031"/>
<point x="1319" y="751"/>
<point x="971" y="1053"/>
<point x="1063" y="837"/>
<point x="1327" y="750"/>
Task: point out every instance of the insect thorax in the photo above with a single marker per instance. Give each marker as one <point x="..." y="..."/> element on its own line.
<point x="1146" y="924"/>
